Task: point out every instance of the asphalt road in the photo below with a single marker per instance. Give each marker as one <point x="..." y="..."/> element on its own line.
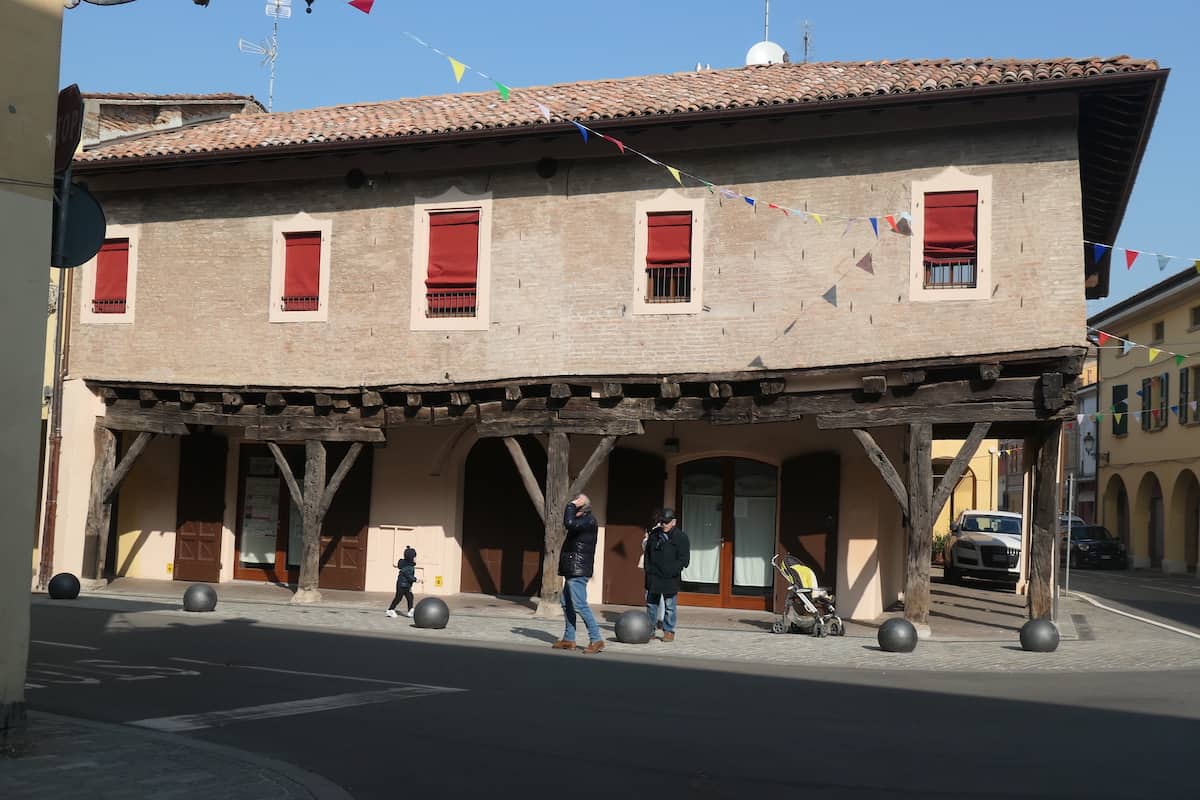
<point x="1171" y="599"/>
<point x="376" y="715"/>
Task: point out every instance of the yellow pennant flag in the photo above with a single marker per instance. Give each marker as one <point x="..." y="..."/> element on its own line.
<point x="817" y="217"/>
<point x="1118" y="416"/>
<point x="459" y="68"/>
<point x="1154" y="353"/>
<point x="674" y="174"/>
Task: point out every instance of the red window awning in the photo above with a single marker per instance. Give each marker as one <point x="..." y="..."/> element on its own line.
<point x="453" y="250"/>
<point x="112" y="277"/>
<point x="951" y="225"/>
<point x="668" y="240"/>
<point x="302" y="271"/>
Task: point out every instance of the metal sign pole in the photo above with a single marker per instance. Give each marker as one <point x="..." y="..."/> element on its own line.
<point x="1070" y="516"/>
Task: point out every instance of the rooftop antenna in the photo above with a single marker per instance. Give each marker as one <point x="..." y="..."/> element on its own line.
<point x="766" y="20"/>
<point x="766" y="51"/>
<point x="269" y="50"/>
<point x="806" y="27"/>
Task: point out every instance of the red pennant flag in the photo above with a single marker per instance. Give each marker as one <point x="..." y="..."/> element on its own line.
<point x="1102" y="337"/>
<point x="620" y="145"/>
<point x="1130" y="257"/>
<point x="779" y="208"/>
<point x="891" y="221"/>
<point x="363" y="5"/>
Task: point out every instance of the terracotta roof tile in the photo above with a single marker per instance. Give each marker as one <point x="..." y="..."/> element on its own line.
<point x="216" y="96"/>
<point x="626" y="98"/>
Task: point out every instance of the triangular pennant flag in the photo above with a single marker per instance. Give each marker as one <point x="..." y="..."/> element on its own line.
<point x="458" y="67"/>
<point x="503" y="90"/>
<point x="545" y="112"/>
<point x="363" y="5"/>
<point x="1163" y="261"/>
<point x="1196" y="264"/>
<point x="818" y="218"/>
<point x="1192" y="405"/>
<point x="1100" y="417"/>
<point x="1179" y="359"/>
<point x="831" y="296"/>
<point x="1130" y="257"/>
<point x="708" y="186"/>
<point x="729" y="194"/>
<point x="582" y="130"/>
<point x="1098" y="251"/>
<point x="749" y="200"/>
<point x="1175" y="410"/>
<point x="865" y="263"/>
<point x="620" y="145"/>
<point x="1079" y="418"/>
<point x="779" y="208"/>
<point x="1136" y="415"/>
<point x="675" y="174"/>
<point x="1139" y="393"/>
<point x="1102" y="337"/>
<point x="1154" y="412"/>
<point x="891" y="221"/>
<point x="904" y="224"/>
<point x="1126" y="346"/>
<point x="1117" y="417"/>
<point x="875" y="226"/>
<point x="1154" y="353"/>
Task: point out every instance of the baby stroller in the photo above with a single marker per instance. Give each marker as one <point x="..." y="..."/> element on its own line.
<point x="809" y="609"/>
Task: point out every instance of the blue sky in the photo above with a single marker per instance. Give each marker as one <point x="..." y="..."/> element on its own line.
<point x="339" y="55"/>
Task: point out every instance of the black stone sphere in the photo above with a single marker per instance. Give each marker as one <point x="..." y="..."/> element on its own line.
<point x="633" y="627"/>
<point x="1039" y="636"/>
<point x="63" y="586"/>
<point x="200" y="597"/>
<point x="897" y="636"/>
<point x="432" y="612"/>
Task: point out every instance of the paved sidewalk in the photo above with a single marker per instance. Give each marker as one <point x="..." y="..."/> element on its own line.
<point x="82" y="760"/>
<point x="1098" y="640"/>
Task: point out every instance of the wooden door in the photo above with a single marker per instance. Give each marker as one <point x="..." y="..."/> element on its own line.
<point x="636" y="481"/>
<point x="808" y="519"/>
<point x="503" y="536"/>
<point x="200" y="508"/>
<point x="344" y="532"/>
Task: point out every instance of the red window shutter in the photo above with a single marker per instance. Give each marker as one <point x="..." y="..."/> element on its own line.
<point x="668" y="240"/>
<point x="951" y="225"/>
<point x="112" y="277"/>
<point x="302" y="271"/>
<point x="453" y="271"/>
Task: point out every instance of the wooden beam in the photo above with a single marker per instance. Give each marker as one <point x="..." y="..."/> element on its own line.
<point x="275" y="400"/>
<point x="937" y="415"/>
<point x="339" y="475"/>
<point x="618" y="427"/>
<point x="560" y="391"/>
<point x="593" y="463"/>
<point x="460" y="399"/>
<point x="874" y="384"/>
<point x="720" y="391"/>
<point x="341" y="404"/>
<point x="147" y="397"/>
<point x="187" y="398"/>
<point x="668" y="390"/>
<point x="989" y="372"/>
<point x="348" y="433"/>
<point x="99" y="515"/>
<point x="886" y="469"/>
<point x="108" y="395"/>
<point x="1044" y="527"/>
<point x="322" y="402"/>
<point x="148" y="423"/>
<point x="912" y="377"/>
<point x="527" y="477"/>
<point x="512" y="392"/>
<point x="958" y="467"/>
<point x="231" y="400"/>
<point x="127" y="461"/>
<point x="1053" y="394"/>
<point x="289" y="478"/>
<point x="611" y="390"/>
<point x="413" y="400"/>
<point x="372" y="400"/>
<point x="314" y="491"/>
<point x="557" y="484"/>
<point x="771" y="388"/>
<point x="920" y="523"/>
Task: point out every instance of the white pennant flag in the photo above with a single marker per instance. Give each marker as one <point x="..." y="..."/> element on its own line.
<point x="1079" y="418"/>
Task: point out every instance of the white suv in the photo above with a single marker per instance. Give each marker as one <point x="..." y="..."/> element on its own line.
<point x="984" y="544"/>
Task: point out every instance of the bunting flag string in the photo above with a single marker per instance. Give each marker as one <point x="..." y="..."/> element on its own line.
<point x="1099" y="250"/>
<point x="1128" y="346"/>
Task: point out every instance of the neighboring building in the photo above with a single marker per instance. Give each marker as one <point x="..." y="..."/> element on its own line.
<point x="1080" y="444"/>
<point x="1011" y="467"/>
<point x="491" y="305"/>
<point x="977" y="488"/>
<point x="1149" y="439"/>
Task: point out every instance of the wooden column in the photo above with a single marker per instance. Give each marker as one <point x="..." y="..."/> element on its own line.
<point x="1045" y="522"/>
<point x="95" y="532"/>
<point x="920" y="524"/>
<point x="557" y="485"/>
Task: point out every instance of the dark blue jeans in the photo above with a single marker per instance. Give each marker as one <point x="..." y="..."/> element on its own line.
<point x="670" y="603"/>
<point x="574" y="601"/>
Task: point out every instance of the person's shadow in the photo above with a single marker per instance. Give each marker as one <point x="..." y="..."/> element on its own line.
<point x="534" y="633"/>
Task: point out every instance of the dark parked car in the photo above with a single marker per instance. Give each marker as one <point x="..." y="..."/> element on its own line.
<point x="1094" y="546"/>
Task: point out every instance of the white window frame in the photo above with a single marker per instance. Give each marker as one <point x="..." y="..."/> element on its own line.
<point x="300" y="223"/>
<point x="453" y="199"/>
<point x="669" y="201"/>
<point x="88" y="276"/>
<point x="952" y="179"/>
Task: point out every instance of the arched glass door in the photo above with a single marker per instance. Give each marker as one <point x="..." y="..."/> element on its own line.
<point x="728" y="508"/>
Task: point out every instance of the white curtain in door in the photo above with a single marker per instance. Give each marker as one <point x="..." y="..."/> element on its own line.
<point x="754" y="540"/>
<point x="702" y="521"/>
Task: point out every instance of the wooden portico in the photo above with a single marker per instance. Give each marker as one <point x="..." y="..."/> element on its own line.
<point x="1017" y="394"/>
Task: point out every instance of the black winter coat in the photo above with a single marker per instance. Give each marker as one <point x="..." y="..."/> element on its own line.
<point x="666" y="558"/>
<point x="579" y="549"/>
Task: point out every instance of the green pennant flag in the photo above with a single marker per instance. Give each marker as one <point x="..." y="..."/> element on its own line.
<point x="1179" y="359"/>
<point x="504" y="90"/>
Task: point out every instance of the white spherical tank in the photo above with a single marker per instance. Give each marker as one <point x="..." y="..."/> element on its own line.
<point x="766" y="53"/>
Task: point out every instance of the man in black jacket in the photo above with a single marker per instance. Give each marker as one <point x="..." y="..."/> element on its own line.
<point x="668" y="552"/>
<point x="575" y="565"/>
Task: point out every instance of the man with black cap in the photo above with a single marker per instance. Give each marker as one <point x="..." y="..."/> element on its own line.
<point x="667" y="554"/>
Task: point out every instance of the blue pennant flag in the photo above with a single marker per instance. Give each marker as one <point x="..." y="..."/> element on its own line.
<point x="1163" y="261"/>
<point x="582" y="130"/>
<point x="875" y="226"/>
<point x="1098" y="251"/>
<point x="749" y="200"/>
<point x="831" y="296"/>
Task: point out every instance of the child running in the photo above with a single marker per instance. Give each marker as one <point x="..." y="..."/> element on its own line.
<point x="404" y="582"/>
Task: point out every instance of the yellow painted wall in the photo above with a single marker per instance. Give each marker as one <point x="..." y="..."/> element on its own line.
<point x="976" y="489"/>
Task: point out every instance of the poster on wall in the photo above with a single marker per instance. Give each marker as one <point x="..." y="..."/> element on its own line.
<point x="260" y="521"/>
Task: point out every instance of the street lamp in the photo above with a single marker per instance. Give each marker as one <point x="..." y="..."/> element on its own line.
<point x="1089" y="444"/>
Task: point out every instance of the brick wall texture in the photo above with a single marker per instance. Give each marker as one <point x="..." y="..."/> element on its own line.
<point x="562" y="256"/>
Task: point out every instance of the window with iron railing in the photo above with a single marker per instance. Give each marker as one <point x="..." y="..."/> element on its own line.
<point x="450" y="302"/>
<point x="302" y="271"/>
<point x="452" y="274"/>
<point x="111" y="293"/>
<point x="669" y="257"/>
<point x="951" y="240"/>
